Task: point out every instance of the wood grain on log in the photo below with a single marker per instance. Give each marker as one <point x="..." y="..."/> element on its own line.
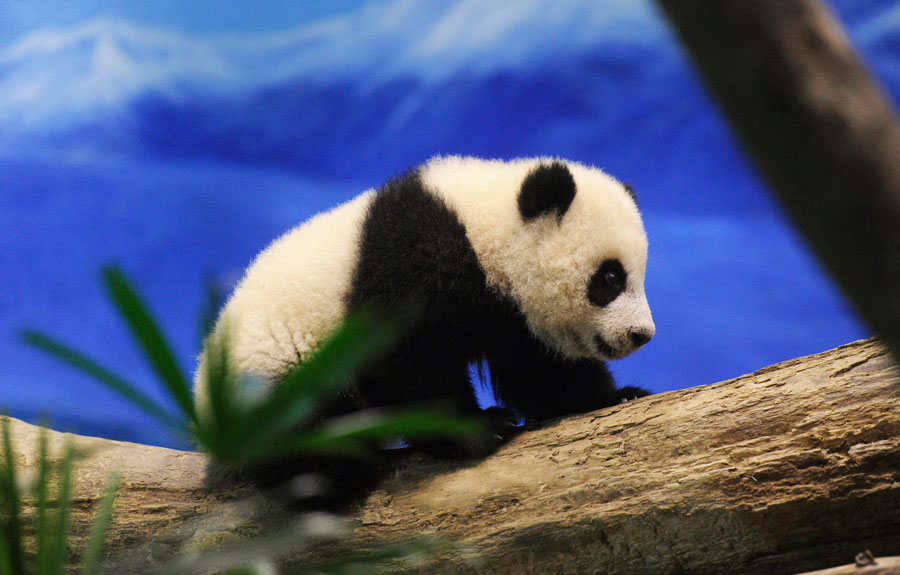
<point x="792" y="468"/>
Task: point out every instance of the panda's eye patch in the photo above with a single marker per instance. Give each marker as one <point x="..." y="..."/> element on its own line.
<point x="607" y="283"/>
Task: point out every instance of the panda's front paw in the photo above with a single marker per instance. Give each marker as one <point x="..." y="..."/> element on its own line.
<point x="502" y="422"/>
<point x="630" y="392"/>
<point x="501" y="425"/>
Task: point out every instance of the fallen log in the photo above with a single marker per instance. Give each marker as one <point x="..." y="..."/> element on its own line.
<point x="793" y="468"/>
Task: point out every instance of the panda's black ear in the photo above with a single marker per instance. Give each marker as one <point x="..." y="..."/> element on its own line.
<point x="549" y="187"/>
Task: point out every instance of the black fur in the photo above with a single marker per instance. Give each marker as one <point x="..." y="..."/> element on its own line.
<point x="549" y="187"/>
<point x="412" y="244"/>
<point x="630" y="189"/>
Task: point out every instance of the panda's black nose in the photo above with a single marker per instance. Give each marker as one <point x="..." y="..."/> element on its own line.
<point x="639" y="337"/>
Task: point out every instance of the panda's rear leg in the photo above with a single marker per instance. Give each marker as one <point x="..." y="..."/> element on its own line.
<point x="444" y="385"/>
<point x="308" y="481"/>
<point x="328" y="480"/>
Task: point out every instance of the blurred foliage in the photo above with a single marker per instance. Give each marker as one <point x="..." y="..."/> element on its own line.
<point x="41" y="506"/>
<point x="240" y="424"/>
<point x="243" y="425"/>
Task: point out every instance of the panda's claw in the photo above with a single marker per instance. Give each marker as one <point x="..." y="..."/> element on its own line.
<point x="630" y="393"/>
<point x="503" y="422"/>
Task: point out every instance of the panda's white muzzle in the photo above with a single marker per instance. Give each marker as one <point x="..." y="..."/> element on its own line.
<point x="623" y="326"/>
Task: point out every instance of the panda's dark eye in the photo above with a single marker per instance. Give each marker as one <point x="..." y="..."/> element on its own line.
<point x="607" y="283"/>
<point x="612" y="279"/>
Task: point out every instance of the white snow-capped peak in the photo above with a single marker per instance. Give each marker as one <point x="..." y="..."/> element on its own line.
<point x="103" y="62"/>
<point x="98" y="67"/>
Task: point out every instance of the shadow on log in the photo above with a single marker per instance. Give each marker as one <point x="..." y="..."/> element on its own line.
<point x="793" y="468"/>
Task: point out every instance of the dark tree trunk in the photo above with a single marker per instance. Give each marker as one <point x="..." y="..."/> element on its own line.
<point x="818" y="127"/>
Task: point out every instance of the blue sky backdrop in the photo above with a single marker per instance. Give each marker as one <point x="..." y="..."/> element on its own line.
<point x="178" y="139"/>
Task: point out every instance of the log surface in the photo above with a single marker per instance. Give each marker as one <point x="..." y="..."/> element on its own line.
<point x="793" y="468"/>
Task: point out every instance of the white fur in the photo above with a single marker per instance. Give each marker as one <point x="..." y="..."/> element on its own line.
<point x="544" y="265"/>
<point x="291" y="296"/>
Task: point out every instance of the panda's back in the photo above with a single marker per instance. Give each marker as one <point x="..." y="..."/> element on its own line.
<point x="292" y="296"/>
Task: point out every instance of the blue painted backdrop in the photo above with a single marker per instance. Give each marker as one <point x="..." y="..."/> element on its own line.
<point x="179" y="142"/>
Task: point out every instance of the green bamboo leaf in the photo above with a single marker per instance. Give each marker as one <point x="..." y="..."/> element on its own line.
<point x="6" y="562"/>
<point x="11" y="506"/>
<point x="75" y="359"/>
<point x="372" y="425"/>
<point x="149" y="337"/>
<point x="209" y="311"/>
<point x="41" y="526"/>
<point x="219" y="433"/>
<point x="350" y="432"/>
<point x="90" y="562"/>
<point x="214" y="433"/>
<point x="359" y="340"/>
<point x="59" y="530"/>
<point x="223" y="389"/>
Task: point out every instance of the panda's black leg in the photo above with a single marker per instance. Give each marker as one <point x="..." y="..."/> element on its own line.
<point x="311" y="481"/>
<point x="308" y="481"/>
<point x="502" y="421"/>
<point x="442" y="383"/>
<point x="542" y="385"/>
<point x="499" y="424"/>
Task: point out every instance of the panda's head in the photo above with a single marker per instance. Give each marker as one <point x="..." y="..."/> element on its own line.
<point x="565" y="242"/>
<point x="577" y="262"/>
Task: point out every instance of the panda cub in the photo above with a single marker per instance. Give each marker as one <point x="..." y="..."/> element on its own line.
<point x="534" y="266"/>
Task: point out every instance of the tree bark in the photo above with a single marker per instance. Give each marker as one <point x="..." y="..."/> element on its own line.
<point x="818" y="127"/>
<point x="793" y="468"/>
